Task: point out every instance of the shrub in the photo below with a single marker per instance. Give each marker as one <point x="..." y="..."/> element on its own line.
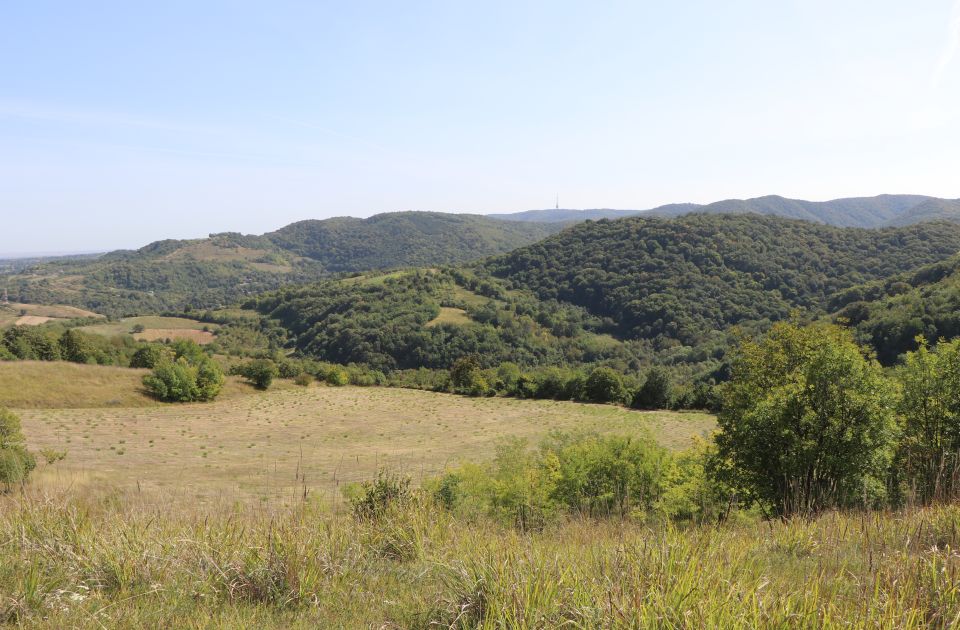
<point x="374" y="498"/>
<point x="807" y="421"/>
<point x="179" y="381"/>
<point x="466" y="376"/>
<point x="16" y="462"/>
<point x="603" y="386"/>
<point x="260" y="372"/>
<point x="150" y="356"/>
<point x="338" y="377"/>
<point x="303" y="379"/>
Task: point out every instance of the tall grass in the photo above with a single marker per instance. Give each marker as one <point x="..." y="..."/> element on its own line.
<point x="109" y="560"/>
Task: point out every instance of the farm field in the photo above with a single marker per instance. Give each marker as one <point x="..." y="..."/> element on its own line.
<point x="273" y="446"/>
<point x="34" y="314"/>
<point x="157" y="328"/>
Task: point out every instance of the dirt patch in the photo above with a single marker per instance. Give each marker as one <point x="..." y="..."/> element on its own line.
<point x="202" y="337"/>
<point x="33" y="320"/>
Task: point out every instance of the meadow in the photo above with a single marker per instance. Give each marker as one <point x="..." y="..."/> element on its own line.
<point x="274" y="446"/>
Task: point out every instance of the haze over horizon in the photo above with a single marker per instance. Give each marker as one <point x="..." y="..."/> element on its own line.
<point x="121" y="125"/>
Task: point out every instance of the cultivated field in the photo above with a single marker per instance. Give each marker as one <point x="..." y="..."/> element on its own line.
<point x="19" y="314"/>
<point x="272" y="446"/>
<point x="157" y="328"/>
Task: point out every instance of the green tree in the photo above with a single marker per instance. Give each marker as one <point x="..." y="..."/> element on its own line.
<point x="604" y="385"/>
<point x="655" y="391"/>
<point x="16" y="462"/>
<point x="75" y="347"/>
<point x="807" y="421"/>
<point x="150" y="356"/>
<point x="260" y="372"/>
<point x="181" y="381"/>
<point x="466" y="376"/>
<point x="930" y="408"/>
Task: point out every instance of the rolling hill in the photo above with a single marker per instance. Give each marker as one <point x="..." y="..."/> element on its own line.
<point x="229" y="267"/>
<point x="864" y="212"/>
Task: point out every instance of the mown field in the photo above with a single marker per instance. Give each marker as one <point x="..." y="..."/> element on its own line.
<point x="225" y="515"/>
<point x="273" y="446"/>
<point x="156" y="328"/>
<point x="16" y="314"/>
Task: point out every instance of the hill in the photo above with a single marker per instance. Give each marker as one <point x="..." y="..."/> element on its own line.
<point x="889" y="314"/>
<point x="865" y="212"/>
<point x="229" y="267"/>
<point x="683" y="278"/>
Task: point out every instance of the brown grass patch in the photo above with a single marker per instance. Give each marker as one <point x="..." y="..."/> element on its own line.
<point x="273" y="446"/>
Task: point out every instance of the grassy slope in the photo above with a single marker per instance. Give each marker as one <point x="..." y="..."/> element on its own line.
<point x="262" y="446"/>
<point x="63" y="385"/>
<point x="104" y="560"/>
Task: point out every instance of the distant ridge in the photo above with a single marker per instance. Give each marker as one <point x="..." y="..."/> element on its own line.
<point x="864" y="212"/>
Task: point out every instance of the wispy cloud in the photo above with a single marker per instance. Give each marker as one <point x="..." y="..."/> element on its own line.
<point x="952" y="44"/>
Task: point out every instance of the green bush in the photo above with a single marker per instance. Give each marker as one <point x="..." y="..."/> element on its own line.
<point x="150" y="356"/>
<point x="604" y="386"/>
<point x="655" y="391"/>
<point x="181" y="381"/>
<point x="338" y="377"/>
<point x="16" y="462"/>
<point x="259" y="372"/>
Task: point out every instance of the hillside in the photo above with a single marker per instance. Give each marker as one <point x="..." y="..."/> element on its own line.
<point x="229" y="267"/>
<point x="864" y="212"/>
<point x="889" y="314"/>
<point x="683" y="278"/>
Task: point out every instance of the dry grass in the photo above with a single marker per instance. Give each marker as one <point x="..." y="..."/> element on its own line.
<point x="275" y="445"/>
<point x="34" y="314"/>
<point x="63" y="385"/>
<point x="453" y="316"/>
<point x="125" y="326"/>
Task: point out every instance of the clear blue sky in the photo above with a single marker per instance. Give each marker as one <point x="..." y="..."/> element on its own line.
<point x="126" y="122"/>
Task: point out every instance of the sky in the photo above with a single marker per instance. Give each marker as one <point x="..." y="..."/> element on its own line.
<point x="122" y="123"/>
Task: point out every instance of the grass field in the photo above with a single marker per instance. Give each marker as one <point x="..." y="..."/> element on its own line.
<point x="33" y="314"/>
<point x="272" y="446"/>
<point x="63" y="385"/>
<point x="454" y="316"/>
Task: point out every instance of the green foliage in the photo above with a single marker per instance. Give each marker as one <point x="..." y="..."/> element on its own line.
<point x="604" y="386"/>
<point x="691" y="489"/>
<point x="466" y="376"/>
<point x="930" y="407"/>
<point x="338" y="377"/>
<point x="150" y="356"/>
<point x="31" y="343"/>
<point x="183" y="380"/>
<point x="671" y="280"/>
<point x="16" y="462"/>
<point x="260" y="372"/>
<point x="655" y="391"/>
<point x="75" y="347"/>
<point x="375" y="498"/>
<point x="807" y="421"/>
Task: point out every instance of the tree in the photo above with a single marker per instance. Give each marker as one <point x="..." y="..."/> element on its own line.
<point x="807" y="421"/>
<point x="74" y="347"/>
<point x="181" y="381"/>
<point x="16" y="462"/>
<point x="604" y="385"/>
<point x="930" y="408"/>
<point x="655" y="391"/>
<point x="150" y="356"/>
<point x="466" y="376"/>
<point x="260" y="372"/>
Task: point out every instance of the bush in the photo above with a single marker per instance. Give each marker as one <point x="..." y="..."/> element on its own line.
<point x="303" y="379"/>
<point x="807" y="422"/>
<point x="180" y="381"/>
<point x="259" y="372"/>
<point x="16" y="462"/>
<point x="150" y="356"/>
<point x="374" y="498"/>
<point x="604" y="386"/>
<point x="466" y="376"/>
<point x="338" y="377"/>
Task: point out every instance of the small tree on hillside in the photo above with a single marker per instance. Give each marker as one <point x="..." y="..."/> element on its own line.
<point x="260" y="372"/>
<point x="466" y="376"/>
<point x="75" y="347"/>
<point x="15" y="461"/>
<point x="807" y="421"/>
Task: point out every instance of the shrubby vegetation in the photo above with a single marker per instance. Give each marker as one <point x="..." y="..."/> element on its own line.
<point x="259" y="372"/>
<point x="16" y="462"/>
<point x="190" y="376"/>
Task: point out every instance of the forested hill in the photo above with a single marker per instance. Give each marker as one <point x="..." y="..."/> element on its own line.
<point x="405" y="239"/>
<point x="229" y="267"/>
<point x="682" y="278"/>
<point x="866" y="212"/>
